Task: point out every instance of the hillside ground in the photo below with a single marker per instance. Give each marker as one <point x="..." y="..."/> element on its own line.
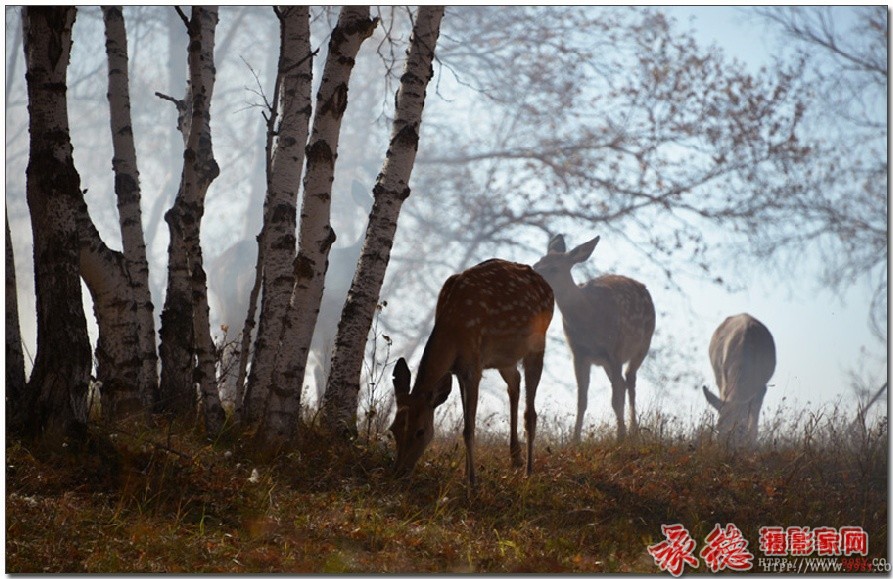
<point x="167" y="500"/>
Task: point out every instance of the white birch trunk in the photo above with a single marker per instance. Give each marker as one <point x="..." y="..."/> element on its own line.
<point x="316" y="235"/>
<point x="118" y="349"/>
<point x="286" y="163"/>
<point x="55" y="404"/>
<point x="187" y="283"/>
<point x="339" y="407"/>
<point x="127" y="191"/>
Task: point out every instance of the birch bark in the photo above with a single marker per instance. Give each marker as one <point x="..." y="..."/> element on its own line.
<point x="127" y="191"/>
<point x="316" y="235"/>
<point x="285" y="165"/>
<point x="118" y="359"/>
<point x="185" y="326"/>
<point x="56" y="399"/>
<point x="339" y="408"/>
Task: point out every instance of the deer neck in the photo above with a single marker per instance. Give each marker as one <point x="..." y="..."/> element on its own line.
<point x="568" y="294"/>
<point x="437" y="361"/>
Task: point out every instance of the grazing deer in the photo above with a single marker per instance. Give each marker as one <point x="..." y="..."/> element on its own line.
<point x="742" y="353"/>
<point x="492" y="315"/>
<point x="608" y="321"/>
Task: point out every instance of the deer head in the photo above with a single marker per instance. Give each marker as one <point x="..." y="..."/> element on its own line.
<point x="556" y="265"/>
<point x="413" y="426"/>
<point x="738" y="421"/>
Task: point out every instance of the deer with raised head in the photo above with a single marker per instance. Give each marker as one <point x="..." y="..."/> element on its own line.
<point x="608" y="321"/>
<point x="742" y="353"/>
<point x="492" y="315"/>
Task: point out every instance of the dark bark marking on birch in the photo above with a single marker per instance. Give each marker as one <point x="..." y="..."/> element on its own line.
<point x="408" y="136"/>
<point x="303" y="267"/>
<point x="327" y="243"/>
<point x="283" y="213"/>
<point x="319" y="152"/>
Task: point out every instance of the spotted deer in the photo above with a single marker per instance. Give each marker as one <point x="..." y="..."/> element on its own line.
<point x="608" y="321"/>
<point x="492" y="315"/>
<point x="742" y="353"/>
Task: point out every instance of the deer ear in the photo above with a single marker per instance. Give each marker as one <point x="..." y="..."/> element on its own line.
<point x="442" y="391"/>
<point x="584" y="250"/>
<point x="401" y="378"/>
<point x="556" y="244"/>
<point x="712" y="399"/>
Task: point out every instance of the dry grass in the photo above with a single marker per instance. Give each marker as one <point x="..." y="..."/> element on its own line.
<point x="176" y="503"/>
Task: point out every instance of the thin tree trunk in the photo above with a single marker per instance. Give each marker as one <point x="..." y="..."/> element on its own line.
<point x="316" y="234"/>
<point x="339" y="409"/>
<point x="175" y="72"/>
<point x="15" y="359"/>
<point x="247" y="330"/>
<point x="118" y="359"/>
<point x="127" y="190"/>
<point x="186" y="312"/>
<point x="56" y="404"/>
<point x="276" y="251"/>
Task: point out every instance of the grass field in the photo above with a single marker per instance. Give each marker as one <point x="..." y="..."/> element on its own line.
<point x="167" y="500"/>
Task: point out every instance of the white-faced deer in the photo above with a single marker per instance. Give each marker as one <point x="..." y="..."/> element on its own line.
<point x="608" y="321"/>
<point x="492" y="315"/>
<point x="742" y="353"/>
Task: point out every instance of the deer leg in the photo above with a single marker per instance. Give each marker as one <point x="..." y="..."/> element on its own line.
<point x="469" y="382"/>
<point x="513" y="379"/>
<point x="631" y="370"/>
<point x="581" y="371"/>
<point x="618" y="395"/>
<point x="631" y="393"/>
<point x="533" y="370"/>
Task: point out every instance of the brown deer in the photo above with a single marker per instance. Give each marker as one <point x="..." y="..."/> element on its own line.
<point x="492" y="315"/>
<point x="742" y="353"/>
<point x="608" y="321"/>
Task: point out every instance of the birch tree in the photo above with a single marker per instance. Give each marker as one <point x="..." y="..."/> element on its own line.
<point x="339" y="407"/>
<point x="316" y="234"/>
<point x="104" y="271"/>
<point x="187" y="350"/>
<point x="285" y="163"/>
<point x="56" y="401"/>
<point x="15" y="359"/>
<point x="107" y="275"/>
<point x="127" y="191"/>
